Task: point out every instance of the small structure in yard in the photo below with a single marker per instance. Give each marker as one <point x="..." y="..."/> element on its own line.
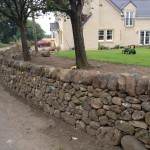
<point x="129" y="50"/>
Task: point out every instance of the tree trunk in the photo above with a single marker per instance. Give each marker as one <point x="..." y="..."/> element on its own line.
<point x="25" y="47"/>
<point x="81" y="59"/>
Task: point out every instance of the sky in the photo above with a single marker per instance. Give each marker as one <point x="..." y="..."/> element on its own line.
<point x="45" y="21"/>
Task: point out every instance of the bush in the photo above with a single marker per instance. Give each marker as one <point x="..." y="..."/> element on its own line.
<point x="101" y="47"/>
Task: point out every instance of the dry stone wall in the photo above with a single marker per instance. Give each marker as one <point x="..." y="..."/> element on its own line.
<point x="109" y="106"/>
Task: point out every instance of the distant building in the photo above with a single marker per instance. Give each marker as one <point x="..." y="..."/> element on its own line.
<point x="108" y="23"/>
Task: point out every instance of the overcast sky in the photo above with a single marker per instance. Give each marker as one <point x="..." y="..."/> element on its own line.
<point x="45" y="21"/>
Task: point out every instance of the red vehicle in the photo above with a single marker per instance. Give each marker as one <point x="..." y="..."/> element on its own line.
<point x="43" y="43"/>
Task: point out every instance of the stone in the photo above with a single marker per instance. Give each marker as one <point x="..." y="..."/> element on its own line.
<point x="122" y="81"/>
<point x="125" y="115"/>
<point x="57" y="113"/>
<point x="103" y="120"/>
<point x="75" y="100"/>
<point x="111" y="122"/>
<point x="142" y="85"/>
<point x="86" y="105"/>
<point x="80" y="125"/>
<point x="71" y="105"/>
<point x="45" y="54"/>
<point x="90" y="130"/>
<point x="136" y="106"/>
<point x="126" y="105"/>
<point x="83" y="89"/>
<point x="139" y="124"/>
<point x="144" y="98"/>
<point x="85" y="114"/>
<point x="79" y="94"/>
<point x="55" y="104"/>
<point x="113" y="82"/>
<point x="125" y="127"/>
<point x="106" y="107"/>
<point x="101" y="112"/>
<point x="129" y="142"/>
<point x="111" y="115"/>
<point x="90" y="89"/>
<point x="106" y="98"/>
<point x="72" y="91"/>
<point x="61" y="94"/>
<point x="117" y="100"/>
<point x="97" y="93"/>
<point x="51" y="111"/>
<point x="63" y="75"/>
<point x="76" y="87"/>
<point x="86" y="120"/>
<point x="94" y="125"/>
<point x="143" y="135"/>
<point x="132" y="100"/>
<point x="147" y="146"/>
<point x="131" y="82"/>
<point x="147" y="118"/>
<point x="138" y="115"/>
<point x="148" y="87"/>
<point x="109" y="136"/>
<point x="49" y="101"/>
<point x="104" y="80"/>
<point x="146" y="106"/>
<point x="38" y="94"/>
<point x="97" y="80"/>
<point x="68" y="118"/>
<point x="79" y="110"/>
<point x="68" y="86"/>
<point x="67" y="97"/>
<point x="92" y="115"/>
<point x="96" y="103"/>
<point x="77" y="116"/>
<point x="46" y="108"/>
<point x="115" y="108"/>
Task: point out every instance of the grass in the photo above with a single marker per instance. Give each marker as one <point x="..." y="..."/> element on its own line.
<point x="2" y="45"/>
<point x="142" y="58"/>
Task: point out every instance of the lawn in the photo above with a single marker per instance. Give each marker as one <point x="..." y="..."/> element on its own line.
<point x="2" y="45"/>
<point x="142" y="58"/>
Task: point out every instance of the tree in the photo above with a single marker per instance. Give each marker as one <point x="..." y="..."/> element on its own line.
<point x="8" y="30"/>
<point x="40" y="31"/>
<point x="73" y="8"/>
<point x="18" y="11"/>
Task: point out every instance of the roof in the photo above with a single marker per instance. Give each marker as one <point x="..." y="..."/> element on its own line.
<point x="54" y="26"/>
<point x="142" y="6"/>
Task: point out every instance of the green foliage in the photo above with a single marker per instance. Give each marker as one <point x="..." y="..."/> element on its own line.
<point x="115" y="56"/>
<point x="4" y="45"/>
<point x="101" y="47"/>
<point x="40" y="32"/>
<point x="8" y="30"/>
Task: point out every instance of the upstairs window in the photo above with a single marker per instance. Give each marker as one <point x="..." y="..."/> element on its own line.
<point x="129" y="21"/>
<point x="101" y="35"/>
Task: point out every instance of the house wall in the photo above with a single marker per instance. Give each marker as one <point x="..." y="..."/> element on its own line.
<point x="105" y="17"/>
<point x="109" y="18"/>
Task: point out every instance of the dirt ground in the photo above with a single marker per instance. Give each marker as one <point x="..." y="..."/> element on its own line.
<point x="25" y="128"/>
<point x="103" y="67"/>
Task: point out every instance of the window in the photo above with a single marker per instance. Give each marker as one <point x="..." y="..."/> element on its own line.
<point x="129" y="19"/>
<point x="101" y="35"/>
<point x="145" y="37"/>
<point x="109" y="35"/>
